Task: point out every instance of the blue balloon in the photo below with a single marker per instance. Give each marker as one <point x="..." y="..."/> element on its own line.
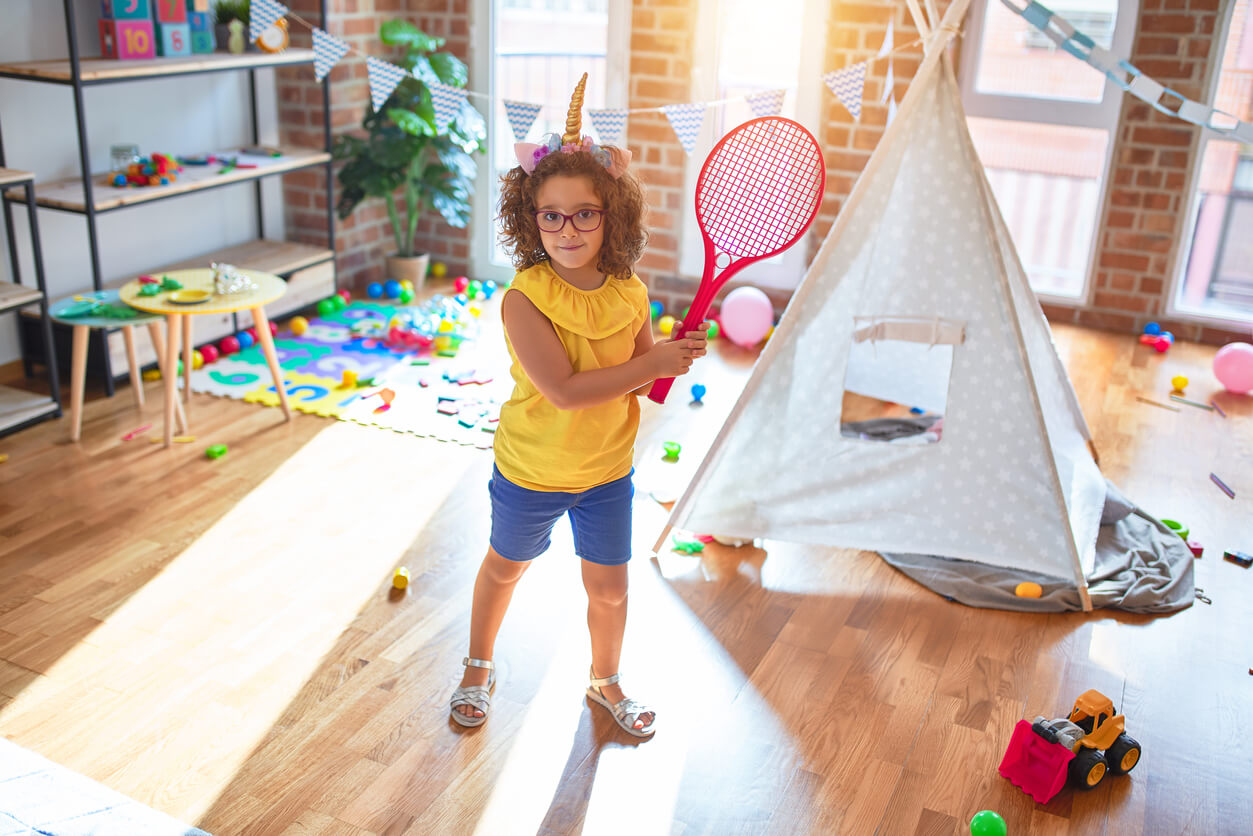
<point x="1169" y="337"/>
<point x="374" y="290"/>
<point x="245" y="339"/>
<point x="1152" y="328"/>
<point x="393" y="289"/>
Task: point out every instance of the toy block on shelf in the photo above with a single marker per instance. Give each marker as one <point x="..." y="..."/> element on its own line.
<point x="171" y="11"/>
<point x="199" y="21"/>
<point x="127" y="39"/>
<point x="125" y="9"/>
<point x="173" y="39"/>
<point x="198" y="5"/>
<point x="203" y="42"/>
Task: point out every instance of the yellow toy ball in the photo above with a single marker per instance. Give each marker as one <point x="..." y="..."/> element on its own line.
<point x="439" y="269"/>
<point x="151" y="374"/>
<point x="197" y="359"/>
<point x="298" y="325"/>
<point x="665" y="324"/>
<point x="1179" y="382"/>
<point x="407" y="284"/>
<point x="400" y="580"/>
<point x="1028" y="589"/>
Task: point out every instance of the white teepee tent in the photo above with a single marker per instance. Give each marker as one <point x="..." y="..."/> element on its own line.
<point x="920" y="240"/>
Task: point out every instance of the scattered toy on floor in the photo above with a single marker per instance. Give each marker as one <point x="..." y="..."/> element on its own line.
<point x="1233" y="366"/>
<point x="1222" y="486"/>
<point x="687" y="546"/>
<point x="1239" y="558"/>
<point x="400" y="580"/>
<point x="988" y="823"/>
<point x="215" y="451"/>
<point x="1028" y="589"/>
<point x="1179" y="382"/>
<point x="698" y="392"/>
<point x="672" y="448"/>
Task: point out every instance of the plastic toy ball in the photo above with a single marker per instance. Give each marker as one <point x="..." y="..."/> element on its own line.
<point x="228" y="346"/>
<point x="215" y="451"/>
<point x="1233" y="366"/>
<point x="698" y="392"/>
<point x="672" y="448"/>
<point x="988" y="823"/>
<point x="208" y="352"/>
<point x="489" y="287"/>
<point x="374" y="290"/>
<point x="326" y="307"/>
<point x="407" y="284"/>
<point x="197" y="360"/>
<point x="392" y="289"/>
<point x="439" y="269"/>
<point x="252" y="332"/>
<point x="460" y="284"/>
<point x="273" y="329"/>
<point x="1152" y="328"/>
<point x="475" y="289"/>
<point x="1179" y="382"/>
<point x="245" y="339"/>
<point x="657" y="308"/>
<point x="298" y="325"/>
<point x="346" y="295"/>
<point x="713" y="330"/>
<point x="665" y="325"/>
<point x="461" y="299"/>
<point x="1028" y="589"/>
<point x="338" y="302"/>
<point x="406" y="296"/>
<point x="400" y="580"/>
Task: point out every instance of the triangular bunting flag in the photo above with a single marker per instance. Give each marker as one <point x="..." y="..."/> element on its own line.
<point x="327" y="50"/>
<point x="608" y="124"/>
<point x="448" y="102"/>
<point x="521" y="117"/>
<point x="889" y="84"/>
<point x="262" y="15"/>
<point x="891" y="109"/>
<point x="383" y="78"/>
<point x="887" y="41"/>
<point x="767" y="102"/>
<point x="847" y="85"/>
<point x="686" y="119"/>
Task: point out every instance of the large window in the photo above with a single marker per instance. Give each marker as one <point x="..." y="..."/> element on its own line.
<point x="1216" y="274"/>
<point x="535" y="51"/>
<point x="745" y="47"/>
<point x="1041" y="120"/>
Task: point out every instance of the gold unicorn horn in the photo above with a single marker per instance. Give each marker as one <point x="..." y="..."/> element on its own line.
<point x="574" y="119"/>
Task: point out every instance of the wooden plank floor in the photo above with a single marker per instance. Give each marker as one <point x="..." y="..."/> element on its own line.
<point x="219" y="640"/>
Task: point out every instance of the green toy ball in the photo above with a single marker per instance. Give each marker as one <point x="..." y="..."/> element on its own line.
<point x="326" y="307"/>
<point x="987" y="823"/>
<point x="713" y="330"/>
<point x="406" y="296"/>
<point x="338" y="302"/>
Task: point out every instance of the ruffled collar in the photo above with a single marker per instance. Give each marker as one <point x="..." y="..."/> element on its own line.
<point x="594" y="314"/>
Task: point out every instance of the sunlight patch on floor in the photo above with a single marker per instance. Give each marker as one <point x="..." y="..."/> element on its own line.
<point x="233" y="627"/>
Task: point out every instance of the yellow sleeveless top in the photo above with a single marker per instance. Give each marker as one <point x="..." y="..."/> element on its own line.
<point x="543" y="448"/>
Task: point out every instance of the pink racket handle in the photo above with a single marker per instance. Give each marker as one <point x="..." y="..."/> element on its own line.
<point x="695" y="316"/>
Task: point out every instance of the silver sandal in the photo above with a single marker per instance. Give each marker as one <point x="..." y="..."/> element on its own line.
<point x="476" y="696"/>
<point x="625" y="712"/>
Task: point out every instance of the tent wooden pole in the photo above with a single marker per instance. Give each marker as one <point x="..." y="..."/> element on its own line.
<point x="988" y="205"/>
<point x="933" y="15"/>
<point x="920" y="23"/>
<point x="929" y="64"/>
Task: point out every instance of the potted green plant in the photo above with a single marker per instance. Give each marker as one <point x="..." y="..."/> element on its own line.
<point x="225" y="11"/>
<point x="405" y="158"/>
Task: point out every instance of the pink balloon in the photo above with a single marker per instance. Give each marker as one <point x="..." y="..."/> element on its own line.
<point x="746" y="316"/>
<point x="1233" y="366"/>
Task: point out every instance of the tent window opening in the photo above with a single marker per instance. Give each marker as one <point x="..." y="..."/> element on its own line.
<point x="896" y="381"/>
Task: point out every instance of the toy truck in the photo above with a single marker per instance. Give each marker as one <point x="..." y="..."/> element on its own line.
<point x="1083" y="747"/>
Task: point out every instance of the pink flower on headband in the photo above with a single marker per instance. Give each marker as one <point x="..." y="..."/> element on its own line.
<point x="529" y="154"/>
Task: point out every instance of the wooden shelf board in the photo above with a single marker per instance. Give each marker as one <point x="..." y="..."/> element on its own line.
<point x="18" y="407"/>
<point x="95" y="70"/>
<point x="10" y="176"/>
<point x="68" y="194"/>
<point x="14" y="295"/>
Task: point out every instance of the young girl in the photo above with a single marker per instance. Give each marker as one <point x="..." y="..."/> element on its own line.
<point x="577" y="324"/>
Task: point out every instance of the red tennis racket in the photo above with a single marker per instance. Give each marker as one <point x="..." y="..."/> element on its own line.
<point x="757" y="193"/>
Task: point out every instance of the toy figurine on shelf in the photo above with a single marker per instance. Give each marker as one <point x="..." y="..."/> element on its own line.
<point x="274" y="38"/>
<point x="157" y="170"/>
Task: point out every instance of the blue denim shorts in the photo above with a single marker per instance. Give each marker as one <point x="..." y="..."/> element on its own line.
<point x="523" y="519"/>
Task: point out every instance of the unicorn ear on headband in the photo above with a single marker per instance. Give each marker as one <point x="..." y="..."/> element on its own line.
<point x="615" y="160"/>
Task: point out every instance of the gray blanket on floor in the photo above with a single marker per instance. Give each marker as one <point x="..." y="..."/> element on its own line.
<point x="1141" y="566"/>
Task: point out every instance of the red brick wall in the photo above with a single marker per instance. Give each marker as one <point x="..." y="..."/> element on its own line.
<point x="365" y="238"/>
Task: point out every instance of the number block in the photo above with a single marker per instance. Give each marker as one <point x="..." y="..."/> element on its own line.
<point x="173" y="39"/>
<point x="125" y="10"/>
<point x="203" y="42"/>
<point x="198" y="5"/>
<point x="199" y="22"/>
<point x="129" y="39"/>
<point x="171" y="11"/>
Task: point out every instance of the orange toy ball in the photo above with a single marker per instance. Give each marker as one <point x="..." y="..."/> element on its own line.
<point x="1028" y="589"/>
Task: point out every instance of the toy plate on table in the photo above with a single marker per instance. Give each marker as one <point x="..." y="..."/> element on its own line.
<point x="189" y="297"/>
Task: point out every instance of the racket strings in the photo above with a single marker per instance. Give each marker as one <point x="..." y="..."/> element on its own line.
<point x="760" y="190"/>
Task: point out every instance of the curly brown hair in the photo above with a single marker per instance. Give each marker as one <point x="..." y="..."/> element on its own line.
<point x="622" y="198"/>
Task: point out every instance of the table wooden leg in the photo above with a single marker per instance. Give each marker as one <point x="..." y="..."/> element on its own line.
<point x="132" y="360"/>
<point x="78" y="379"/>
<point x="158" y="346"/>
<point x="267" y="347"/>
<point x="168" y="377"/>
<point x="186" y="358"/>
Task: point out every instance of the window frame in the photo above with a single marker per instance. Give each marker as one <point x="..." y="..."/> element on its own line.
<point x="1183" y="254"/>
<point x="1102" y="115"/>
<point x="483" y="53"/>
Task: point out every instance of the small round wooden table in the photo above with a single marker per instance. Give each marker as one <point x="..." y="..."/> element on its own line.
<point x="178" y="316"/>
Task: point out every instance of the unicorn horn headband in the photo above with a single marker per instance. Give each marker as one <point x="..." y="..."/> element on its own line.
<point x="615" y="160"/>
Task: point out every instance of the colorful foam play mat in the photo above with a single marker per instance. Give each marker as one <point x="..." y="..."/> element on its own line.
<point x="419" y="369"/>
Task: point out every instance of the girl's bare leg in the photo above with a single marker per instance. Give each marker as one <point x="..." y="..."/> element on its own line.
<point x="606" y="622"/>
<point x="493" y="589"/>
